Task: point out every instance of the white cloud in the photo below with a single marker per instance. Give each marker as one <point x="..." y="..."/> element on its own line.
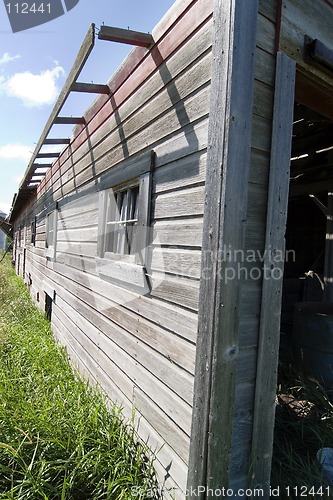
<point x="5" y="207"/>
<point x="6" y="58"/>
<point x="34" y="90"/>
<point x="15" y="152"/>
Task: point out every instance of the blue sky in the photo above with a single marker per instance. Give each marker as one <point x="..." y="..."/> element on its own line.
<point x="34" y="65"/>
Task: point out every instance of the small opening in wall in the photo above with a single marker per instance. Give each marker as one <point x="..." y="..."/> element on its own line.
<point x="48" y="307"/>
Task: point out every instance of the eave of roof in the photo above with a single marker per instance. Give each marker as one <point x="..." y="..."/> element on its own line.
<point x="36" y="172"/>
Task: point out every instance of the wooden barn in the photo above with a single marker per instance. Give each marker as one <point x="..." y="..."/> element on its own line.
<point x="155" y="237"/>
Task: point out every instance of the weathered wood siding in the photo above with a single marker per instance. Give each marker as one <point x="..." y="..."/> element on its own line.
<point x="313" y="19"/>
<point x="141" y="349"/>
<point x="227" y="353"/>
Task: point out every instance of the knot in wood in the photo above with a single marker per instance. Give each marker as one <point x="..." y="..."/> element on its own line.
<point x="231" y="352"/>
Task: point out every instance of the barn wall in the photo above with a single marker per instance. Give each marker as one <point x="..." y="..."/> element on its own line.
<point x="141" y="349"/>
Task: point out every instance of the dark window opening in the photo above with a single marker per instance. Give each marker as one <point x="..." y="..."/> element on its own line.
<point x="48" y="307"/>
<point x="33" y="232"/>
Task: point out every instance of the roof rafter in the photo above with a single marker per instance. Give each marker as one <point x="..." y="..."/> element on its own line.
<point x="121" y="35"/>
<point x="56" y="141"/>
<point x="69" y="120"/>
<point x="92" y="88"/>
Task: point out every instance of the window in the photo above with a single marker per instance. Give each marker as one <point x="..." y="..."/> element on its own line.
<point x="121" y="221"/>
<point x="51" y="233"/>
<point x="33" y="231"/>
<point x="124" y="217"/>
<point x="49" y="230"/>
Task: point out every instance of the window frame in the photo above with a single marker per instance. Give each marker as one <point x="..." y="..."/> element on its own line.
<point x="118" y="218"/>
<point x="51" y="228"/>
<point x="123" y="268"/>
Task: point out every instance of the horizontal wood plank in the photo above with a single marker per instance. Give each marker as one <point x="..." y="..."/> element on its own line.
<point x="187" y="202"/>
<point x="178" y="262"/>
<point x="268" y="8"/>
<point x="176" y="290"/>
<point x="158" y="362"/>
<point x="266" y="34"/>
<point x="184" y="172"/>
<point x="181" y="232"/>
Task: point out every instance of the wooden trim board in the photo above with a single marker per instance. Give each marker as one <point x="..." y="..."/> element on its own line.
<point x="228" y="159"/>
<point x="269" y="333"/>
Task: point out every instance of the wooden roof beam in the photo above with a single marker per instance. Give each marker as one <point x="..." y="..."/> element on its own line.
<point x="69" y="120"/>
<point x="92" y="88"/>
<point x="125" y="36"/>
<point x="34" y="171"/>
<point x="48" y="155"/>
<point x="56" y="141"/>
<point x="321" y="54"/>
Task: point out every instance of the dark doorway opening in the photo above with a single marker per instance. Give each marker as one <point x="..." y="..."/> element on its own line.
<point x="311" y="179"/>
<point x="300" y="429"/>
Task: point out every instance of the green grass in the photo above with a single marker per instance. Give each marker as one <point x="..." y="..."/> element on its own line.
<point x="303" y="425"/>
<point x="59" y="439"/>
